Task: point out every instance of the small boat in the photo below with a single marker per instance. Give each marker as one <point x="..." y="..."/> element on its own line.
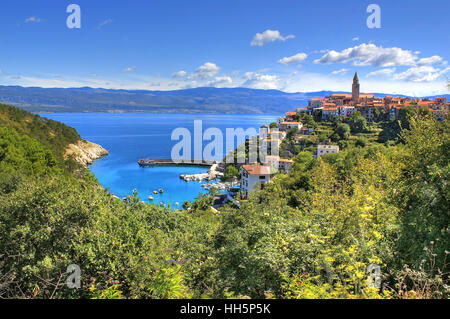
<point x="155" y="192"/>
<point x="161" y="191"/>
<point x="150" y="198"/>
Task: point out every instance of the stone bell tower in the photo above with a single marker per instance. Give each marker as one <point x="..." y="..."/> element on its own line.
<point x="355" y="89"/>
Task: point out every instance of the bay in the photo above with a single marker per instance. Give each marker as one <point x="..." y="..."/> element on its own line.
<point x="132" y="136"/>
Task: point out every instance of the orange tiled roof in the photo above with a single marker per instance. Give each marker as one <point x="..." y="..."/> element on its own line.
<point x="291" y="123"/>
<point x="272" y="139"/>
<point x="339" y="94"/>
<point x="257" y="169"/>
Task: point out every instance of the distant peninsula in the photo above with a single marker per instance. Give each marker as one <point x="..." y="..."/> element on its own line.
<point x="197" y="100"/>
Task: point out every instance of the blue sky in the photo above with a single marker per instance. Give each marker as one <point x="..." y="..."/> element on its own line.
<point x="297" y="45"/>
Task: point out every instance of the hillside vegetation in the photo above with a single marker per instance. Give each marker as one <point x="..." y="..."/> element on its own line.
<point x="310" y="234"/>
<point x="50" y="133"/>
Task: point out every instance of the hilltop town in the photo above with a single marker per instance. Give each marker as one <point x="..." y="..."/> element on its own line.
<point x="329" y="124"/>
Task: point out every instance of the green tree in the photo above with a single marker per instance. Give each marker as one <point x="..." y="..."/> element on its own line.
<point x="423" y="196"/>
<point x="358" y="123"/>
<point x="343" y="131"/>
<point x="230" y="172"/>
<point x="361" y="141"/>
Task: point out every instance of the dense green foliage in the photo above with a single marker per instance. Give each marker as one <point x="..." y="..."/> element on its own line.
<point x="230" y="172"/>
<point x="309" y="234"/>
<point x="50" y="133"/>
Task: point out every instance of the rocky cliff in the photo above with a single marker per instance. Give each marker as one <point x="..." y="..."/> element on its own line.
<point x="85" y="152"/>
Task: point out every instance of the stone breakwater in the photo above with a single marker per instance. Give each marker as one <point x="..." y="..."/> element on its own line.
<point x="213" y="173"/>
<point x="85" y="152"/>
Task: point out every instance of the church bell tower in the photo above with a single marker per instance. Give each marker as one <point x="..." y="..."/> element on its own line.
<point x="355" y="89"/>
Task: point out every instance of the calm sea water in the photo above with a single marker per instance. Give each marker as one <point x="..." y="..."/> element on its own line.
<point x="131" y="136"/>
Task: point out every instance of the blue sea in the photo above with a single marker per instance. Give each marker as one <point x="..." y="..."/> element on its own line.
<point x="132" y="136"/>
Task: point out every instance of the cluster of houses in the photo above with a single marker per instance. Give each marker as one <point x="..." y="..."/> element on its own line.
<point x="255" y="176"/>
<point x="344" y="105"/>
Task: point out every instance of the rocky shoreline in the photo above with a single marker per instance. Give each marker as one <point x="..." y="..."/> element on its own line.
<point x="213" y="173"/>
<point x="85" y="152"/>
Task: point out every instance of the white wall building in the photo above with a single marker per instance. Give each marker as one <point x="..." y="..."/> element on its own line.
<point x="253" y="177"/>
<point x="285" y="126"/>
<point x="326" y="149"/>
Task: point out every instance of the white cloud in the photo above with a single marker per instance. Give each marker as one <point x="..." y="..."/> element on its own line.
<point x="129" y="70"/>
<point x="179" y="74"/>
<point x="205" y="71"/>
<point x="424" y="73"/>
<point x="191" y="85"/>
<point x="269" y="36"/>
<point x="313" y="82"/>
<point x="429" y="61"/>
<point x="300" y="57"/>
<point x="221" y="81"/>
<point x="355" y="39"/>
<point x="33" y="19"/>
<point x="261" y="81"/>
<point x="340" y="72"/>
<point x="369" y="55"/>
<point x="103" y="23"/>
<point x="384" y="72"/>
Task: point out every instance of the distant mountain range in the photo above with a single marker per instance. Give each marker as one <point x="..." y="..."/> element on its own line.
<point x="197" y="100"/>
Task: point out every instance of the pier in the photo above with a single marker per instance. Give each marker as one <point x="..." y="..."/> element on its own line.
<point x="147" y="162"/>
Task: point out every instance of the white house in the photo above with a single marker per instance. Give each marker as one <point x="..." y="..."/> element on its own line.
<point x="325" y="149"/>
<point x="329" y="113"/>
<point x="285" y="126"/>
<point x="253" y="177"/>
<point x="346" y="111"/>
<point x="277" y="134"/>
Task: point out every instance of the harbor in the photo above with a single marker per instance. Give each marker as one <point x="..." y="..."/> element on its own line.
<point x="215" y="169"/>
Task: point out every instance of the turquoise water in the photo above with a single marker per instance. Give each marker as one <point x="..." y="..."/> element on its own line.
<point x="131" y="136"/>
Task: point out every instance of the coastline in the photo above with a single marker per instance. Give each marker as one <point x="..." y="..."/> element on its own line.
<point x="85" y="152"/>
